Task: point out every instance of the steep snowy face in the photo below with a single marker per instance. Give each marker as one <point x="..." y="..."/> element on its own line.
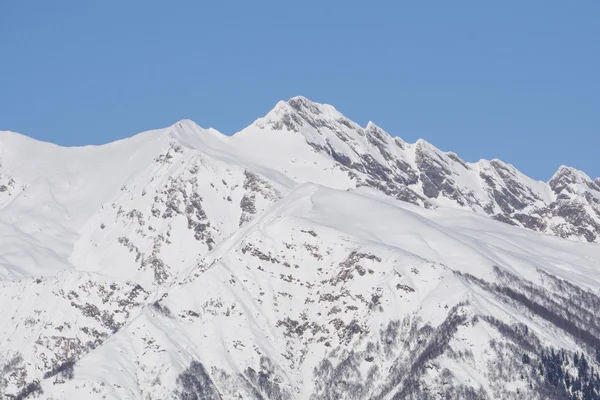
<point x="305" y="257"/>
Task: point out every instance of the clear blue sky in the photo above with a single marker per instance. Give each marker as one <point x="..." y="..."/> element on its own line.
<point x="516" y="80"/>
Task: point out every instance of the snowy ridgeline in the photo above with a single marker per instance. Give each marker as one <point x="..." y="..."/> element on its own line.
<point x="305" y="257"/>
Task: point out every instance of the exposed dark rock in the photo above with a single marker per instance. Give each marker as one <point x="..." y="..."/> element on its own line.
<point x="507" y="201"/>
<point x="504" y="218"/>
<point x="64" y="370"/>
<point x="530" y="222"/>
<point x="339" y="157"/>
<point x="266" y="381"/>
<point x="454" y="157"/>
<point x="408" y="176"/>
<point x="196" y="384"/>
<point x="32" y="388"/>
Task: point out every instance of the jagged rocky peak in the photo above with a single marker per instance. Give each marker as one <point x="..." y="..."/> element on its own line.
<point x="436" y="172"/>
<point x="503" y="167"/>
<point x="377" y="131"/>
<point x="281" y="117"/>
<point x="568" y="175"/>
<point x="427" y="156"/>
<point x="300" y="112"/>
<point x="517" y="183"/>
<point x="378" y="137"/>
<point x="330" y="132"/>
<point x="424" y="145"/>
<point x="427" y="152"/>
<point x="456" y="158"/>
<point x="511" y="177"/>
<point x="302" y="104"/>
<point x="568" y="180"/>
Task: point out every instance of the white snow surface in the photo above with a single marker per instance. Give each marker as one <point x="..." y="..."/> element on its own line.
<point x="261" y="253"/>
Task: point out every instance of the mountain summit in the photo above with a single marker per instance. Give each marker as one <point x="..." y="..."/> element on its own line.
<point x="304" y="257"/>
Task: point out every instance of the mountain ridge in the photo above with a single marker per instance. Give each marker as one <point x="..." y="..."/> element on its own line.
<point x="418" y="173"/>
<point x="295" y="99"/>
<point x="305" y="257"/>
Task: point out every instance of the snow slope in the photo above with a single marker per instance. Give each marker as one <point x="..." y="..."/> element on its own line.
<point x="304" y="257"/>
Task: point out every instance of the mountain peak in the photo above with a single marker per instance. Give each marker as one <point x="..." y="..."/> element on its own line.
<point x="378" y="132"/>
<point x="502" y="164"/>
<point x="185" y="122"/>
<point x="187" y="125"/>
<point x="570" y="174"/>
<point x="297" y="112"/>
<point x="371" y="125"/>
<point x="297" y="104"/>
<point x="422" y="143"/>
<point x="309" y="108"/>
<point x="10" y="138"/>
<point x="190" y="134"/>
<point x="301" y="103"/>
<point x="569" y="181"/>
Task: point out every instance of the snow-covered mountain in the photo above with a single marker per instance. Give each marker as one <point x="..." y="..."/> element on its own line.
<point x="305" y="257"/>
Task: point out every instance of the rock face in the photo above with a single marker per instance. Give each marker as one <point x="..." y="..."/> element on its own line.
<point x="305" y="257"/>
